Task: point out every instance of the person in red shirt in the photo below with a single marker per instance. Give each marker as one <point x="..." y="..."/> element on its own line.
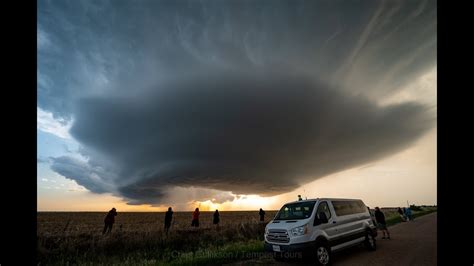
<point x="109" y="221"/>
<point x="195" y="221"/>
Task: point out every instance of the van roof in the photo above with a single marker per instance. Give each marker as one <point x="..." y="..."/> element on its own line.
<point x="316" y="199"/>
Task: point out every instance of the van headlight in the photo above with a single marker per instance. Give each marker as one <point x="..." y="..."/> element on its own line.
<point x="300" y="230"/>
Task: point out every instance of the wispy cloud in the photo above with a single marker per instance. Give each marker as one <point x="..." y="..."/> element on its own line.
<point x="42" y="39"/>
<point x="47" y="123"/>
<point x="346" y="66"/>
<point x="41" y="160"/>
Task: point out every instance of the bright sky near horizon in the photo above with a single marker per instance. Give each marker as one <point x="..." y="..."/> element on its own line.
<point x="145" y="105"/>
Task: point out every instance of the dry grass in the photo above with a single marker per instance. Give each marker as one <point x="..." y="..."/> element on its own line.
<point x="76" y="237"/>
<point x="73" y="223"/>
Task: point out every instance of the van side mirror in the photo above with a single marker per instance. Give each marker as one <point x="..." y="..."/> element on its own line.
<point x="323" y="218"/>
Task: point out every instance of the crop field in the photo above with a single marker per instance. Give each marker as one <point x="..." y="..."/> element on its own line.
<point x="76" y="237"/>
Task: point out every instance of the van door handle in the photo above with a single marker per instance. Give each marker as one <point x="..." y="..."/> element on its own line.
<point x="333" y="222"/>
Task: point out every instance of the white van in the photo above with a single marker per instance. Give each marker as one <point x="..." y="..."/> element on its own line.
<point x="318" y="227"/>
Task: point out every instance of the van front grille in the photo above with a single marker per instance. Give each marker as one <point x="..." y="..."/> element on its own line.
<point x="278" y="236"/>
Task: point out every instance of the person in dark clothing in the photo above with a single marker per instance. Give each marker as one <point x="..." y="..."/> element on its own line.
<point x="381" y="224"/>
<point x="168" y="218"/>
<point x="408" y="215"/>
<point x="195" y="221"/>
<point x="262" y="215"/>
<point x="372" y="217"/>
<point x="216" y="218"/>
<point x="109" y="221"/>
<point x="402" y="214"/>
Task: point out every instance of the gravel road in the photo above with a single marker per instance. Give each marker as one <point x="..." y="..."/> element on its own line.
<point x="411" y="243"/>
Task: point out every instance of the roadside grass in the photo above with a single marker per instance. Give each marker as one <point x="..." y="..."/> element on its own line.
<point x="227" y="253"/>
<point x="181" y="246"/>
<point x="394" y="218"/>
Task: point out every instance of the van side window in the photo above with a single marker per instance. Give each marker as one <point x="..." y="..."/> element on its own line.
<point x="361" y="206"/>
<point x="323" y="207"/>
<point x="348" y="207"/>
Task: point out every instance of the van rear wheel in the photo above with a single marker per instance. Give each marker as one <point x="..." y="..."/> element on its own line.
<point x="369" y="242"/>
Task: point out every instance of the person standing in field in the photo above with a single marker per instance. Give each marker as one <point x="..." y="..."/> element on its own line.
<point x="381" y="224"/>
<point x="408" y="214"/>
<point x="402" y="215"/>
<point x="168" y="219"/>
<point x="109" y="221"/>
<point x="195" y="221"/>
<point x="216" y="218"/>
<point x="262" y="215"/>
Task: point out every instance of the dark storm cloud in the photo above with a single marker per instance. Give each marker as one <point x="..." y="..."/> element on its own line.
<point x="249" y="96"/>
<point x="241" y="132"/>
<point x="100" y="47"/>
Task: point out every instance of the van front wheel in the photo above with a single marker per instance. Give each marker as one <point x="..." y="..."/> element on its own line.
<point x="370" y="241"/>
<point x="323" y="254"/>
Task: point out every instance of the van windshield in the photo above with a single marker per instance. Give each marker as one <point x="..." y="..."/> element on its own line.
<point x="296" y="211"/>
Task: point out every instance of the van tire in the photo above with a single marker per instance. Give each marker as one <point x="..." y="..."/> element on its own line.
<point x="322" y="254"/>
<point x="370" y="242"/>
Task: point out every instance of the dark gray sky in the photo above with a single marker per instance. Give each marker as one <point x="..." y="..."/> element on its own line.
<point x="243" y="97"/>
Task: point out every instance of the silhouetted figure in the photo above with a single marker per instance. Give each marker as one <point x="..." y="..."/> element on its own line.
<point x="408" y="214"/>
<point x="216" y="218"/>
<point x="262" y="215"/>
<point x="109" y="221"/>
<point x="168" y="219"/>
<point x="402" y="214"/>
<point x="381" y="224"/>
<point x="195" y="221"/>
<point x="372" y="216"/>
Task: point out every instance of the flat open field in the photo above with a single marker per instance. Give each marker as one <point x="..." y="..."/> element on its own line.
<point x="76" y="237"/>
<point x="73" y="223"/>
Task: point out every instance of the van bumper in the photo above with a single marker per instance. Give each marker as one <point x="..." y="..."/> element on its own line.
<point x="300" y="247"/>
